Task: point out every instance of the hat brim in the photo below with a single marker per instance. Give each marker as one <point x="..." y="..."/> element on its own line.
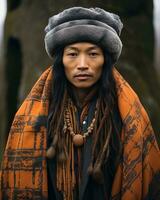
<point x="104" y="37"/>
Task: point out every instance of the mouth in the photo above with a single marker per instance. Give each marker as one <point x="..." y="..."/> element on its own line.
<point x="82" y="76"/>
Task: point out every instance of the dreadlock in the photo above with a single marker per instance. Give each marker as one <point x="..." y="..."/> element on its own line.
<point x="106" y="145"/>
<point x="106" y="142"/>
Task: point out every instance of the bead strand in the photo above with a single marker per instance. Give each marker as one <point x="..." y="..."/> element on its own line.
<point x="78" y="139"/>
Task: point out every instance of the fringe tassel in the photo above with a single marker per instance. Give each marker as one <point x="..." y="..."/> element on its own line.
<point x="66" y="179"/>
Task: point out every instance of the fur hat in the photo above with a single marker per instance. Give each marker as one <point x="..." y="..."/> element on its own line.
<point x="80" y="24"/>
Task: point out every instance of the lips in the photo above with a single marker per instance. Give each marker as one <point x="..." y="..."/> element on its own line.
<point x="82" y="76"/>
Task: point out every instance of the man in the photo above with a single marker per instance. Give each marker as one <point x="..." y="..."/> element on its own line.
<point x="82" y="132"/>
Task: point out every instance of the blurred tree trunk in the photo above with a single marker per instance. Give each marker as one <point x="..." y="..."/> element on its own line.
<point x="25" y="56"/>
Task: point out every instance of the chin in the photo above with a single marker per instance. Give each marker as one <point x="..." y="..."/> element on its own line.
<point x="83" y="86"/>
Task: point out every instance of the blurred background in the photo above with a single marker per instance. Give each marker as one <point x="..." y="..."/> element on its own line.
<point x="23" y="57"/>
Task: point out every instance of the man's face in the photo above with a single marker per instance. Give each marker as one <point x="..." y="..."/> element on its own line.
<point x="83" y="63"/>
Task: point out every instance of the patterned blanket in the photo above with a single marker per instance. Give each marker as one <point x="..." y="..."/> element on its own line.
<point x="23" y="172"/>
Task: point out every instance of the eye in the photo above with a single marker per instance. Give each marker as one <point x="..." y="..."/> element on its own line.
<point x="72" y="54"/>
<point x="93" y="54"/>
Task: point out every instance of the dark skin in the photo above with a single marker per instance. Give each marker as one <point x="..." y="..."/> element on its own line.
<point x="80" y="95"/>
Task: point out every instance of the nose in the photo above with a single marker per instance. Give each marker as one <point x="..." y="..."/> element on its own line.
<point x="82" y="63"/>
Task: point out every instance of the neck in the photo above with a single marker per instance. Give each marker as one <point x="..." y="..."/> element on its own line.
<point x="80" y="95"/>
<point x="83" y="96"/>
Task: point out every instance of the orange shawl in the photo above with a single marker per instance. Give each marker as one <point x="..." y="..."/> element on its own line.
<point x="23" y="173"/>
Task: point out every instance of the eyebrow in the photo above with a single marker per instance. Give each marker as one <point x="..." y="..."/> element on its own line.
<point x="75" y="48"/>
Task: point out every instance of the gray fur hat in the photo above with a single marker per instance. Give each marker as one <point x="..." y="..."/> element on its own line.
<point x="80" y="24"/>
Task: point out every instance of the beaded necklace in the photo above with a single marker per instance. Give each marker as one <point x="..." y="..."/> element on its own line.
<point x="77" y="138"/>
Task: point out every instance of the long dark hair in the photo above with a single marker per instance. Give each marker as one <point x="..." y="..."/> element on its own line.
<point x="106" y="143"/>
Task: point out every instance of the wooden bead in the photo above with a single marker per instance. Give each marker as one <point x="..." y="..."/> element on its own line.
<point x="78" y="140"/>
<point x="72" y="133"/>
<point x="97" y="174"/>
<point x="86" y="135"/>
<point x="51" y="152"/>
<point x="90" y="169"/>
<point x="62" y="157"/>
